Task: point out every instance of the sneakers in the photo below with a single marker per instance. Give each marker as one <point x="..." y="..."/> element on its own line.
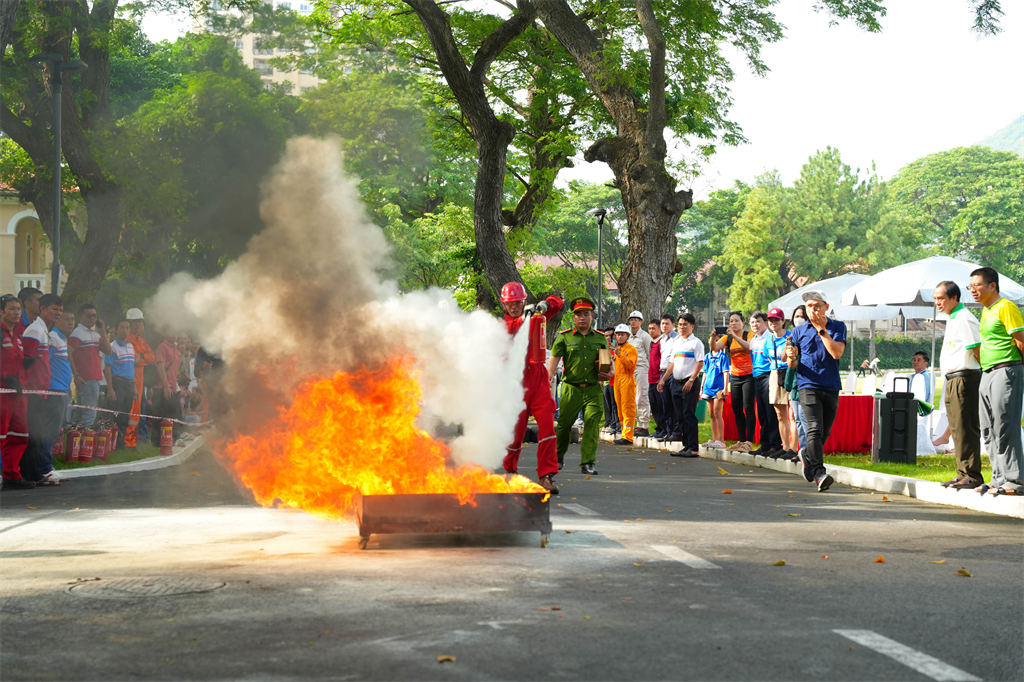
<point x="548" y="484"/>
<point x="17" y="484"/>
<point x="824" y="482"/>
<point x="774" y="453"/>
<point x="622" y="441"/>
<point x="642" y="432"/>
<point x="806" y="464"/>
<point x="588" y="469"/>
<point x="759" y="451"/>
<point x="790" y="456"/>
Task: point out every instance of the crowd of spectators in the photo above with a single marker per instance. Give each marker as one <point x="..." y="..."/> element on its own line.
<point x="61" y="368"/>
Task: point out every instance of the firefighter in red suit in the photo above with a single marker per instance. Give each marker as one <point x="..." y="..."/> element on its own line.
<point x="539" y="401"/>
<point x="13" y="422"/>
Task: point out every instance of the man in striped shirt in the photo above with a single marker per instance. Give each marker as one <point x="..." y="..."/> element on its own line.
<point x="119" y="368"/>
<point x="43" y="410"/>
<point x="84" y="347"/>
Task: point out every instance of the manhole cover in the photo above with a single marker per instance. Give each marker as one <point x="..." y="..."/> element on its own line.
<point x="134" y="588"/>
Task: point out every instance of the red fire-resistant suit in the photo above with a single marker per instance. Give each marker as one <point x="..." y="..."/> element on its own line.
<point x="539" y="403"/>
<point x="13" y="409"/>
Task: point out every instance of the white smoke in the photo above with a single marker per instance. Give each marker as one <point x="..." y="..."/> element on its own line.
<point x="307" y="297"/>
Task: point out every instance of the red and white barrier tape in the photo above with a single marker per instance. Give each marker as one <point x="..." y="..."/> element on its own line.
<point x="103" y="409"/>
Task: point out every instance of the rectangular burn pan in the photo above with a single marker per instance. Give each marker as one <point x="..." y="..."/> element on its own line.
<point x="442" y="513"/>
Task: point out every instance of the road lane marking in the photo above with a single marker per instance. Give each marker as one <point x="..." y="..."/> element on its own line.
<point x="912" y="658"/>
<point x="579" y="509"/>
<point x="673" y="552"/>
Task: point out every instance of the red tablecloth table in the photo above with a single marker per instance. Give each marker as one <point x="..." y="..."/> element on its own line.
<point x="851" y="431"/>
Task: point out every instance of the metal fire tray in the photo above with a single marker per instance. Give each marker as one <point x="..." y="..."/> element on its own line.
<point x="433" y="513"/>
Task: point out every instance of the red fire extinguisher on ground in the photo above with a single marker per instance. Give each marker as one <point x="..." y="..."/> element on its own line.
<point x="58" y="447"/>
<point x="100" y="449"/>
<point x="538" y="343"/>
<point x="88" y="445"/>
<point x="166" y="438"/>
<point x="112" y="440"/>
<point x="74" y="445"/>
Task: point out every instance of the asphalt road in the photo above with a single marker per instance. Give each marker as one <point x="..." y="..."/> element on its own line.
<point x="655" y="573"/>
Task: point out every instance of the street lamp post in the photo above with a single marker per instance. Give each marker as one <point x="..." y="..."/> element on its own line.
<point x="600" y="213"/>
<point x="59" y="69"/>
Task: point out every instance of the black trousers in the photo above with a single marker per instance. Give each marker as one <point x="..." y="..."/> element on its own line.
<point x="45" y="417"/>
<point x="163" y="407"/>
<point x="125" y="391"/>
<point x="657" y="408"/>
<point x="770" y="438"/>
<point x="820" y="409"/>
<point x="685" y="405"/>
<point x="743" y="406"/>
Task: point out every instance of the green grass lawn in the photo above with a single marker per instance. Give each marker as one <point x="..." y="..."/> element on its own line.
<point x="142" y="451"/>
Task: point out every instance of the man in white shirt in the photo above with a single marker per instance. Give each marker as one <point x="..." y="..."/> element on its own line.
<point x="685" y="366"/>
<point x="959" y="363"/>
<point x="920" y="364"/>
<point x="641" y="340"/>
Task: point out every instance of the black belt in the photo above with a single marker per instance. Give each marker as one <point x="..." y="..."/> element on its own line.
<point x="962" y="373"/>
<point x="587" y="385"/>
<point x="1001" y="365"/>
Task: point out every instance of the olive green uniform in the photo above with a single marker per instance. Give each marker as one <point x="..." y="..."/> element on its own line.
<point x="580" y="390"/>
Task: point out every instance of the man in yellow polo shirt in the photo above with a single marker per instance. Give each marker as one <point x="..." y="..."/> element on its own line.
<point x="1002" y="384"/>
<point x="579" y="347"/>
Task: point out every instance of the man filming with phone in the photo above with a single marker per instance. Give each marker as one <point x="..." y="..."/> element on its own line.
<point x="814" y="350"/>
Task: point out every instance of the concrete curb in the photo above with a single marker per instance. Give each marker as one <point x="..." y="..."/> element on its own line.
<point x="180" y="456"/>
<point x="927" y="491"/>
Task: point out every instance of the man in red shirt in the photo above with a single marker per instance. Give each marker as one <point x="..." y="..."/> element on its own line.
<point x="13" y="425"/>
<point x="84" y="347"/>
<point x="166" y="400"/>
<point x="539" y="401"/>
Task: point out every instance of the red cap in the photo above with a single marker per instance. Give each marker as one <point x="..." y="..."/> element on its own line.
<point x="777" y="314"/>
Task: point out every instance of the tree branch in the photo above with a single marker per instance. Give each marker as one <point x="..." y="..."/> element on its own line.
<point x="656" y="116"/>
<point x="502" y="37"/>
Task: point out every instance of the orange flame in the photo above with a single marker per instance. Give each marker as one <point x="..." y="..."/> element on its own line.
<point x="354" y="432"/>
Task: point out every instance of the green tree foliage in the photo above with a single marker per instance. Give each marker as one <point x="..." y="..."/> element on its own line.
<point x="968" y="202"/>
<point x="827" y="224"/>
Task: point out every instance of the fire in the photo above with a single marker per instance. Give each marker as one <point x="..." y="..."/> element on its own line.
<point x="353" y="433"/>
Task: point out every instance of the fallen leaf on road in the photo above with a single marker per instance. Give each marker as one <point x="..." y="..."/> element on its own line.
<point x="723" y="471"/>
<point x="940" y="561"/>
<point x="31" y="507"/>
<point x="627" y="521"/>
<point x="880" y="560"/>
<point x="727" y="492"/>
<point x="794" y="514"/>
<point x="543" y="609"/>
<point x="780" y="562"/>
<point x="669" y="511"/>
<point x="445" y="659"/>
<point x="568" y="531"/>
<point x="824" y="556"/>
<point x="194" y="473"/>
<point x="638" y="564"/>
<point x="639" y="519"/>
<point x="884" y="498"/>
<point x="556" y="608"/>
<point x="652" y="467"/>
<point x="586" y="617"/>
<point x="961" y="571"/>
<point x="588" y="478"/>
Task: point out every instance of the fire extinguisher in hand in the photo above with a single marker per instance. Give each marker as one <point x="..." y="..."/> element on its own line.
<point x="538" y="341"/>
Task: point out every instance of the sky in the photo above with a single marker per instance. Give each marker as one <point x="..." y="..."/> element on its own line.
<point x="925" y="84"/>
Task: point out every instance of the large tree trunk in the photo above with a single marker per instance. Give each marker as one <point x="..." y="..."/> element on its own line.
<point x="636" y="154"/>
<point x="103" y="206"/>
<point x="492" y="135"/>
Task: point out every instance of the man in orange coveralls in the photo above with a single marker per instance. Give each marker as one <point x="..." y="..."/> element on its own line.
<point x="625" y="384"/>
<point x="143" y="356"/>
<point x="539" y="401"/>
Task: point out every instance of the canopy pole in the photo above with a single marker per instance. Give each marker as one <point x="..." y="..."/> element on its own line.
<point x="931" y="369"/>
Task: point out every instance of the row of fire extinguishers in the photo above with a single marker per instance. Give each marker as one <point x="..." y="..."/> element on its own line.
<point x="78" y="444"/>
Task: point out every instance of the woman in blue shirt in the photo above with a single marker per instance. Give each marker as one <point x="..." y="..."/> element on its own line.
<point x="716" y="373"/>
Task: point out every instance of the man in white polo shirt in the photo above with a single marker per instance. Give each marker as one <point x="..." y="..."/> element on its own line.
<point x="642" y="341"/>
<point x="684" y="367"/>
<point x="962" y="369"/>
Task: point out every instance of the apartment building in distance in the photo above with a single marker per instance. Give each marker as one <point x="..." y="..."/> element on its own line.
<point x="257" y="56"/>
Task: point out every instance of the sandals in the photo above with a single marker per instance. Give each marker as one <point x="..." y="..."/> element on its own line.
<point x="983" y="488"/>
<point x="1002" y="490"/>
<point x="47" y="483"/>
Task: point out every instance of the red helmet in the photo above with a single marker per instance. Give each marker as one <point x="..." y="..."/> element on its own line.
<point x="513" y="291"/>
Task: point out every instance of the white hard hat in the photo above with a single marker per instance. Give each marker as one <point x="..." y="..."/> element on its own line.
<point x="637" y="314"/>
<point x="134" y="314"/>
<point x="622" y="328"/>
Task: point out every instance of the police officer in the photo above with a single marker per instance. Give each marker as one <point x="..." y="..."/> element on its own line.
<point x="578" y="349"/>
